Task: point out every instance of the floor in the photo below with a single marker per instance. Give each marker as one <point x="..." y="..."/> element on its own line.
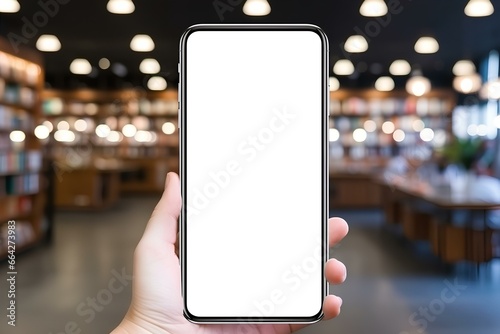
<point x="393" y="287"/>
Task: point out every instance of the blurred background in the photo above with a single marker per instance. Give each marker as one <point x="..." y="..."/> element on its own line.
<point x="88" y="131"/>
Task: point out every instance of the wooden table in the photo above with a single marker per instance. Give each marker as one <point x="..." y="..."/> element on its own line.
<point x="404" y="200"/>
<point x="92" y="186"/>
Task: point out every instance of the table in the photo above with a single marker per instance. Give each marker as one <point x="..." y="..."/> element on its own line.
<point x="95" y="185"/>
<point x="426" y="211"/>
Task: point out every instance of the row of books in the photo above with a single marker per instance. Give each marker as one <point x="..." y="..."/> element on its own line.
<point x="406" y="123"/>
<point x="17" y="94"/>
<point x="382" y="139"/>
<point x="390" y="106"/>
<point x="19" y="184"/>
<point x="56" y="106"/>
<point x="15" y="206"/>
<point x="417" y="152"/>
<point x="115" y="123"/>
<point x="18" y="162"/>
<point x="11" y="119"/>
<point x="19" y="70"/>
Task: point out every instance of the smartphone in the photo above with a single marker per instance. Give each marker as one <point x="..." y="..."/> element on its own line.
<point x="253" y="143"/>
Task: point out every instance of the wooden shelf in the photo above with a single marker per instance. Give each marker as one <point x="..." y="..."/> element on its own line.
<point x="150" y="161"/>
<point x="26" y="208"/>
<point x="350" y="109"/>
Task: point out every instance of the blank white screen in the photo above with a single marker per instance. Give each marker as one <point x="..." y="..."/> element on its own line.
<point x="253" y="173"/>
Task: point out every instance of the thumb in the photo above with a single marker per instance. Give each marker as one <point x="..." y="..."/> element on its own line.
<point x="162" y="225"/>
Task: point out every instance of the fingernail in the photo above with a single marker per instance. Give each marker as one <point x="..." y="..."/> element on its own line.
<point x="340" y="301"/>
<point x="168" y="179"/>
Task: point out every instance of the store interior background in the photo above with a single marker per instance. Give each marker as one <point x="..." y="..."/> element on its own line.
<point x="88" y="131"/>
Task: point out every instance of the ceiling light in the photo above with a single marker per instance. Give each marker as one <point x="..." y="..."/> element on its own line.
<point x="373" y="8"/>
<point x="418" y="125"/>
<point x="343" y="67"/>
<point x="120" y="6"/>
<point x="333" y="135"/>
<point x="384" y="84"/>
<point x="359" y="135"/>
<point x="388" y="127"/>
<point x="142" y="43"/>
<point x="17" y="136"/>
<point x="168" y="128"/>
<point x="370" y="125"/>
<point x="150" y="66"/>
<point x="64" y="136"/>
<point x="42" y="132"/>
<point x="491" y="90"/>
<point x="114" y="137"/>
<point x="356" y="44"/>
<point x="427" y="134"/>
<point x="334" y="84"/>
<point x="157" y="83"/>
<point x="467" y="84"/>
<point x="81" y="125"/>
<point x="418" y="85"/>
<point x="399" y="135"/>
<point x="129" y="130"/>
<point x="464" y="67"/>
<point x="256" y="8"/>
<point x="400" y="67"/>
<point x="48" y="125"/>
<point x="426" y="45"/>
<point x="9" y="6"/>
<point x="80" y="66"/>
<point x="48" y="43"/>
<point x="143" y="136"/>
<point x="479" y="8"/>
<point x="104" y="63"/>
<point x="63" y="125"/>
<point x="102" y="130"/>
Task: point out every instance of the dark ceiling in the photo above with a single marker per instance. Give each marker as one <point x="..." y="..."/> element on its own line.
<point x="87" y="30"/>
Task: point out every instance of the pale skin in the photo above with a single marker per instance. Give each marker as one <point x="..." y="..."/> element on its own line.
<point x="157" y="306"/>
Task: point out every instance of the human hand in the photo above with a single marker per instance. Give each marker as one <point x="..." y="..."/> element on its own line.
<point x="157" y="305"/>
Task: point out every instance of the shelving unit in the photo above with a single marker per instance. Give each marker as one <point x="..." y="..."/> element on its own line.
<point x="359" y="148"/>
<point x="22" y="183"/>
<point x="136" y="127"/>
<point x="351" y="109"/>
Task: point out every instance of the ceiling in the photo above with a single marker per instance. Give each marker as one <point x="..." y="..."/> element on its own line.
<point x="87" y="30"/>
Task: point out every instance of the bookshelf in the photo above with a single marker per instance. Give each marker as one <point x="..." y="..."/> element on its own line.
<point x="135" y="128"/>
<point x="22" y="181"/>
<point x="389" y="123"/>
<point x="368" y="128"/>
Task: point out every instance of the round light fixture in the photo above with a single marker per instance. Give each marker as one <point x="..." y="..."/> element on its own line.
<point x="343" y="67"/>
<point x="373" y="8"/>
<point x="400" y="67"/>
<point x="256" y="8"/>
<point x="48" y="43"/>
<point x="418" y="85"/>
<point x="120" y="6"/>
<point x="384" y="84"/>
<point x="356" y="44"/>
<point x="467" y="84"/>
<point x="426" y="45"/>
<point x="479" y="8"/>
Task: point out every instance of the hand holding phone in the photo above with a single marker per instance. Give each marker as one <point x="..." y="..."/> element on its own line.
<point x="156" y="296"/>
